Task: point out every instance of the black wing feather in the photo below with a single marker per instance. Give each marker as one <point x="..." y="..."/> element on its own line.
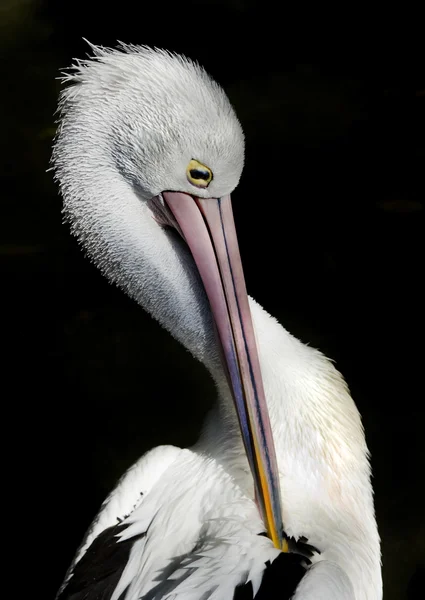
<point x="98" y="572"/>
<point x="280" y="579"/>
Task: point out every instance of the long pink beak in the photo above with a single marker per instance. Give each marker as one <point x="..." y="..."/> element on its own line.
<point x="208" y="228"/>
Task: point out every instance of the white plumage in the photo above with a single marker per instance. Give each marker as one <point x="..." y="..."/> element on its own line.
<point x="131" y="121"/>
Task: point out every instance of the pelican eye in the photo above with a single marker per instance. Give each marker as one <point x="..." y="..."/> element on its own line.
<point x="198" y="174"/>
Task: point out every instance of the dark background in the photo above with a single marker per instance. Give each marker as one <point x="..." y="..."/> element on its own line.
<point x="330" y="217"/>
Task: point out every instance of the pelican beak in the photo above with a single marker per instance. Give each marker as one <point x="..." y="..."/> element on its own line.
<point x="208" y="228"/>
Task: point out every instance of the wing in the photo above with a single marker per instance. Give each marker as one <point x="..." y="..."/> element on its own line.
<point x="183" y="541"/>
<point x="280" y="579"/>
<point x="100" y="560"/>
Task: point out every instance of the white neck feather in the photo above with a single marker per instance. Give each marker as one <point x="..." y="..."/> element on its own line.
<point x="151" y="264"/>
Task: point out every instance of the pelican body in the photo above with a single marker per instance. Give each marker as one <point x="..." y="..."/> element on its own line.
<point x="275" y="497"/>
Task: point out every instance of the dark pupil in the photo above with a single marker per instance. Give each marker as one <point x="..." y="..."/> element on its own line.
<point x="198" y="174"/>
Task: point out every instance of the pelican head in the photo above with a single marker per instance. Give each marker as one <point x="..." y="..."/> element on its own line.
<point x="147" y="141"/>
<point x="162" y="118"/>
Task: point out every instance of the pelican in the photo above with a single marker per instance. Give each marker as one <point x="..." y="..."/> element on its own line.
<point x="275" y="498"/>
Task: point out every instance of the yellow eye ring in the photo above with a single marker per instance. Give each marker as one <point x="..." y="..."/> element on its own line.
<point x="198" y="174"/>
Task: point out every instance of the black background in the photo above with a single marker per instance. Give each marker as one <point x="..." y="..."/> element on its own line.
<point x="330" y="218"/>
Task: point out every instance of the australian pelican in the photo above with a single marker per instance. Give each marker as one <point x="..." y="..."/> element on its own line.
<point x="275" y="498"/>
